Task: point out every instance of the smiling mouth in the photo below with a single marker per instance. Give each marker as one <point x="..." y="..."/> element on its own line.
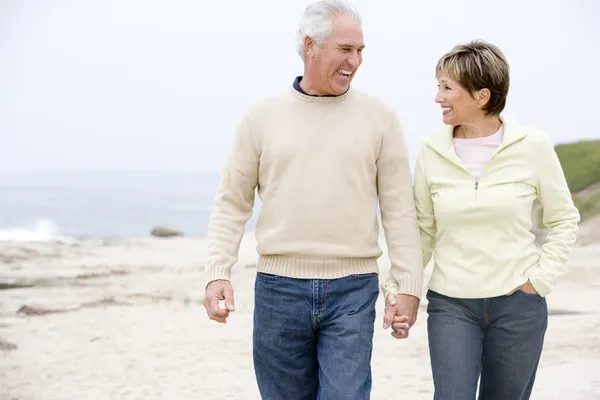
<point x="344" y="73"/>
<point x="446" y="110"/>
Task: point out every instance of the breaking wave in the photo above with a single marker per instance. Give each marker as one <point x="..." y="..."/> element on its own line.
<point x="44" y="230"/>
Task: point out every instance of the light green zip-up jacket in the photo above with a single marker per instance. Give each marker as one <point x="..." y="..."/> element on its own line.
<point x="480" y="231"/>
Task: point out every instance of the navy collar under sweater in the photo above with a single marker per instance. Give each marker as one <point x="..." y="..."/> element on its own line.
<point x="298" y="88"/>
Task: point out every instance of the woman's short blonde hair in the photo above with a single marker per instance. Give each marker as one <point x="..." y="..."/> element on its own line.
<point x="478" y="65"/>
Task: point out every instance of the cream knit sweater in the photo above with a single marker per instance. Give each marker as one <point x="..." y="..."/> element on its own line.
<point x="320" y="164"/>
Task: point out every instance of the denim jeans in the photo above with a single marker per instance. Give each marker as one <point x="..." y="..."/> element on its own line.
<point x="495" y="340"/>
<point x="313" y="338"/>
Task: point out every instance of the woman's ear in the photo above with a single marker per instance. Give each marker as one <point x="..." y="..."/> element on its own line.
<point x="483" y="97"/>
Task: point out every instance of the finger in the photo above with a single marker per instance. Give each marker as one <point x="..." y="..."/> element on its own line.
<point x="218" y="313"/>
<point x="388" y="316"/>
<point x="400" y="325"/>
<point x="401" y="321"/>
<point x="215" y="310"/>
<point x="212" y="301"/>
<point x="229" y="301"/>
<point x="222" y="320"/>
<point x="398" y="334"/>
<point x="401" y="334"/>
<point x="391" y="299"/>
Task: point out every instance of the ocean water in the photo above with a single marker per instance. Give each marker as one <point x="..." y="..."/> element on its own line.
<point x="46" y="206"/>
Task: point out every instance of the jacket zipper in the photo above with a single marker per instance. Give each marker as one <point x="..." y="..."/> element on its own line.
<point x="458" y="163"/>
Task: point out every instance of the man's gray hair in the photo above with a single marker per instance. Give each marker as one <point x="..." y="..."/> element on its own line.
<point x="316" y="21"/>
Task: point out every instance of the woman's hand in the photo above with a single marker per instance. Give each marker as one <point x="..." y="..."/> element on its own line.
<point x="527" y="287"/>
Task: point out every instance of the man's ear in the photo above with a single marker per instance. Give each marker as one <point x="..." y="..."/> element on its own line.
<point x="309" y="47"/>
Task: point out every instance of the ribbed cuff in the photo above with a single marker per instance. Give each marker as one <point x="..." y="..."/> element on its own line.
<point x="407" y="284"/>
<point x="534" y="275"/>
<point x="215" y="273"/>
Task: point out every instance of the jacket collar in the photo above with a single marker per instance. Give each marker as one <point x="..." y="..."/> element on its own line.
<point x="441" y="140"/>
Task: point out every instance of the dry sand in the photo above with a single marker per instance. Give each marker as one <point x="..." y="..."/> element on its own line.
<point x="124" y="320"/>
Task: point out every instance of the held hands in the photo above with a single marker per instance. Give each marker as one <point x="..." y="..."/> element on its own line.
<point x="216" y="291"/>
<point x="527" y="287"/>
<point x="400" y="313"/>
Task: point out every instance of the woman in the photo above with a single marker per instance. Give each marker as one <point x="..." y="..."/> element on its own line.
<point x="475" y="184"/>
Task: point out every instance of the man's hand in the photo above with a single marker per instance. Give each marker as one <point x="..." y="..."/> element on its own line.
<point x="527" y="287"/>
<point x="215" y="291"/>
<point x="400" y="313"/>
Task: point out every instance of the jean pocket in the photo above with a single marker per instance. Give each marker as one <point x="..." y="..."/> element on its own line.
<point x="534" y="295"/>
<point x="267" y="277"/>
<point x="363" y="277"/>
<point x="430" y="294"/>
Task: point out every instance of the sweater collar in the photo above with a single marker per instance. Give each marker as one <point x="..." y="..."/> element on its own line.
<point x="299" y="89"/>
<point x="441" y="140"/>
<point x="297" y="92"/>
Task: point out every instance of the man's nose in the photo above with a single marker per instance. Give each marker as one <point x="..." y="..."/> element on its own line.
<point x="354" y="60"/>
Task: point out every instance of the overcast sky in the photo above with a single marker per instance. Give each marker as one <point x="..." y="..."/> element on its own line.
<point x="160" y="85"/>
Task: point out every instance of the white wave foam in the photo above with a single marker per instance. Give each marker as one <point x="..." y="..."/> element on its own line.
<point x="43" y="231"/>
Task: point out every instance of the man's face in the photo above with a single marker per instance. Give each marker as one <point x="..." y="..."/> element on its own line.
<point x="335" y="64"/>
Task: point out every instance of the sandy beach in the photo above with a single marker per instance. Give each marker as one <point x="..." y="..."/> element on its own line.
<point x="123" y="319"/>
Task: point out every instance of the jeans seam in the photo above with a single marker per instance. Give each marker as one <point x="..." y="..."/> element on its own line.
<point x="324" y="306"/>
<point x="486" y="313"/>
<point x="317" y="301"/>
<point x="314" y="301"/>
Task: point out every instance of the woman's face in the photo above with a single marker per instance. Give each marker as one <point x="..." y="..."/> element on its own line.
<point x="458" y="105"/>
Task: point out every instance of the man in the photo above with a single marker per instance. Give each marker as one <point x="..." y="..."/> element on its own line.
<point x="321" y="155"/>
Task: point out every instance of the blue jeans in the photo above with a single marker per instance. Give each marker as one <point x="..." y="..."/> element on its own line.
<point x="313" y="338"/>
<point x="498" y="340"/>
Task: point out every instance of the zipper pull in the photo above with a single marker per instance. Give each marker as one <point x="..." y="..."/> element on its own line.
<point x="476" y="185"/>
